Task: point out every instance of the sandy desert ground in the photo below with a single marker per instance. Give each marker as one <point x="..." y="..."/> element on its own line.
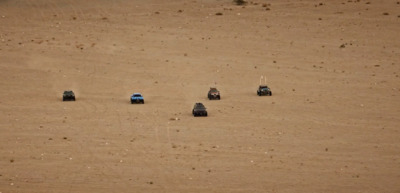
<point x="332" y="124"/>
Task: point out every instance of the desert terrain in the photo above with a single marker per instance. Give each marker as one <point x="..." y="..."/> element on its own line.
<point x="331" y="125"/>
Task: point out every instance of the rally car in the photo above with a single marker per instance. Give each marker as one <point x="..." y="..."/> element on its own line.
<point x="137" y="98"/>
<point x="68" y="95"/>
<point x="264" y="90"/>
<point x="213" y="93"/>
<point x="199" y="110"/>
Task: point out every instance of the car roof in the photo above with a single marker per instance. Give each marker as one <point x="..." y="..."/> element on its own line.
<point x="136" y="93"/>
<point x="263" y="86"/>
<point x="200" y="105"/>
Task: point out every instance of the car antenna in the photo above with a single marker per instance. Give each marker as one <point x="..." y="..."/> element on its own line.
<point x="265" y="80"/>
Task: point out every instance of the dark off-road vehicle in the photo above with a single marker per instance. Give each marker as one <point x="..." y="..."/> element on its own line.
<point x="199" y="110"/>
<point x="137" y="98"/>
<point x="213" y="93"/>
<point x="68" y="95"/>
<point x="264" y="90"/>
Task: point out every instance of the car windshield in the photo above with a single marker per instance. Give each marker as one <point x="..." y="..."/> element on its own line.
<point x="137" y="95"/>
<point x="198" y="106"/>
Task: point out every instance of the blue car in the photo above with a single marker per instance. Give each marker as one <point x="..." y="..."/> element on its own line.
<point x="137" y="98"/>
